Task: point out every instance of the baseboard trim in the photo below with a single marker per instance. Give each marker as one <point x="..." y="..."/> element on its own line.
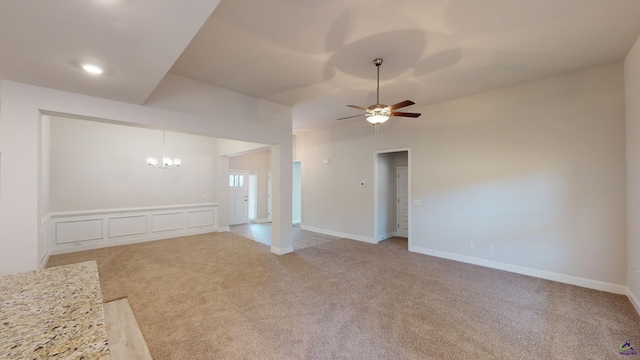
<point x="45" y="258"/>
<point x="92" y="245"/>
<point x="223" y="229"/>
<point x="281" y="251"/>
<point x="387" y="236"/>
<point x="542" y="274"/>
<point x="339" y="234"/>
<point x="259" y="221"/>
<point x="633" y="299"/>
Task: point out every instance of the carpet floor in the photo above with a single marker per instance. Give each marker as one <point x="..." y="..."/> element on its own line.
<point x="221" y="296"/>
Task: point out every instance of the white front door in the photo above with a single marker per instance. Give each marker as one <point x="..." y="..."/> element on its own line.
<point x="402" y="211"/>
<point x="238" y="197"/>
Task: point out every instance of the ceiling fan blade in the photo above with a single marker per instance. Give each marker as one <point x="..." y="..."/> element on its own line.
<point x="401" y="104"/>
<point x="357" y="107"/>
<point x="353" y="116"/>
<point x="405" y="114"/>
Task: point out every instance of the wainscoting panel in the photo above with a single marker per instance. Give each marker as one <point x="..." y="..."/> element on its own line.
<point x="85" y="230"/>
<point x="200" y="218"/>
<point x="78" y="230"/>
<point x="166" y="222"/>
<point x="127" y="225"/>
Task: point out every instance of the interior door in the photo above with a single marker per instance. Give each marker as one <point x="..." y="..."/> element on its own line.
<point x="402" y="211"/>
<point x="238" y="197"/>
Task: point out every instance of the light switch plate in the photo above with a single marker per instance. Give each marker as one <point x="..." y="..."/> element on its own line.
<point x="417" y="202"/>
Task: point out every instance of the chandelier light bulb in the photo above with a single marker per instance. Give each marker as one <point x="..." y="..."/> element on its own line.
<point x="167" y="162"/>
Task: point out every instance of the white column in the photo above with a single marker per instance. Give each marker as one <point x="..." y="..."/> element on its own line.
<point x="222" y="192"/>
<point x="281" y="158"/>
<point x="20" y="148"/>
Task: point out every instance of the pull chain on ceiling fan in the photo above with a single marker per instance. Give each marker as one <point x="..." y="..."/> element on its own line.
<point x="379" y="113"/>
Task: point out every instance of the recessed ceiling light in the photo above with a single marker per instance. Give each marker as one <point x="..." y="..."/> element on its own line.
<point x="92" y="69"/>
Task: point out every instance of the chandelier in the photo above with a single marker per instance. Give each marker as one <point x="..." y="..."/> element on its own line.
<point x="167" y="162"/>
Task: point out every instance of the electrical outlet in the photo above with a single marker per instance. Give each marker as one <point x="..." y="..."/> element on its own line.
<point x="472" y="245"/>
<point x="491" y="248"/>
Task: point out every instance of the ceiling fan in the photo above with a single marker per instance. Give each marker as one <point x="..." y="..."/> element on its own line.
<point x="379" y="113"/>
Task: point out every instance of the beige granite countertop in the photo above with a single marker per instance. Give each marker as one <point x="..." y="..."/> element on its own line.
<point x="53" y="313"/>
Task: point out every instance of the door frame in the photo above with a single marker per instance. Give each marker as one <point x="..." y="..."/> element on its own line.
<point x="376" y="235"/>
<point x="398" y="203"/>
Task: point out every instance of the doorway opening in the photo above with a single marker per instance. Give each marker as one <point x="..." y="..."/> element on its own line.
<point x="392" y="194"/>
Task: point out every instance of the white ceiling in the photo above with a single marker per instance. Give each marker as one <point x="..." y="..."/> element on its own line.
<point x="315" y="56"/>
<point x="44" y="42"/>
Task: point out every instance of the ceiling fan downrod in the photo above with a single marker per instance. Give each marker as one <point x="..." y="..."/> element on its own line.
<point x="378" y="62"/>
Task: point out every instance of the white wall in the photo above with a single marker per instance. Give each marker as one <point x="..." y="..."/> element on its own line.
<point x="333" y="198"/>
<point x="260" y="162"/>
<point x="632" y="92"/>
<point x="537" y="170"/>
<point x="221" y="113"/>
<point x="98" y="165"/>
<point x="234" y="147"/>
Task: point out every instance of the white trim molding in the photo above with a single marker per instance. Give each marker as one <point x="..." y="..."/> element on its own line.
<point x="339" y="234"/>
<point x="387" y="236"/>
<point x="260" y="221"/>
<point x="542" y="274"/>
<point x="85" y="230"/>
<point x="281" y="251"/>
<point x="44" y="248"/>
<point x="634" y="300"/>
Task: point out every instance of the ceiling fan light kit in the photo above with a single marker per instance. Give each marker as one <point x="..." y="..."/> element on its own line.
<point x="377" y="119"/>
<point x="379" y="113"/>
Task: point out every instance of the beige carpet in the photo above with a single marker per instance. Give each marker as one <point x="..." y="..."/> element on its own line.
<point x="220" y="296"/>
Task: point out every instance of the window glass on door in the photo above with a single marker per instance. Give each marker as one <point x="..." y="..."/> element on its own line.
<point x="236" y="180"/>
